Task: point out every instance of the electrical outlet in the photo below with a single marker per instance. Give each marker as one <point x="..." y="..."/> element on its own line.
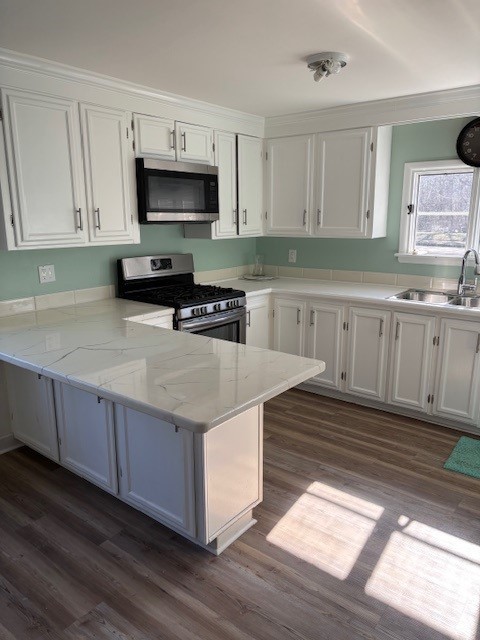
<point x="292" y="255"/>
<point x="46" y="273"/>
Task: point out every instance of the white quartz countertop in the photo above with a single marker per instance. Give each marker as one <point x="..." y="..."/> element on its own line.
<point x="191" y="381"/>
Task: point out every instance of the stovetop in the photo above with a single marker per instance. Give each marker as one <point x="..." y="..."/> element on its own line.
<point x="180" y="296"/>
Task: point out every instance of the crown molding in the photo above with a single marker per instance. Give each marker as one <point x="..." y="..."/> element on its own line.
<point x="23" y="62"/>
<point x="435" y="105"/>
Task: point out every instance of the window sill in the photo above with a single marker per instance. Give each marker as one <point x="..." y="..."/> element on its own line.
<point x="448" y="261"/>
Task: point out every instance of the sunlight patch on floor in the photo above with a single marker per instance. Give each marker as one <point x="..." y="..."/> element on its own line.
<point x="327" y="528"/>
<point x="432" y="577"/>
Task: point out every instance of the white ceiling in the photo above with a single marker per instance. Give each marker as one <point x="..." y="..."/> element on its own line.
<point x="249" y="54"/>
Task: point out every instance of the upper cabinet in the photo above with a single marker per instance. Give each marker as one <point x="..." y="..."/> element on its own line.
<point x="332" y="185"/>
<point x="226" y="160"/>
<point x="250" y="186"/>
<point x="70" y="173"/>
<point x="194" y="143"/>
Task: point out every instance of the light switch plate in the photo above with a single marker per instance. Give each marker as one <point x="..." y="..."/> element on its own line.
<point x="292" y="255"/>
<point x="46" y="273"/>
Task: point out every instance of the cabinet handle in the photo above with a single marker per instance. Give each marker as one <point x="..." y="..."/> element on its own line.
<point x="184" y="143"/>
<point x="234" y="216"/>
<point x="312" y="317"/>
<point x="319" y="217"/>
<point x="97" y="215"/>
<point x="244" y="216"/>
<point x="304" y="217"/>
<point x="478" y="343"/>
<point x="397" y="330"/>
<point x="380" y="333"/>
<point x="79" y="218"/>
<point x="172" y="133"/>
<point x="299" y="311"/>
<point x="248" y="319"/>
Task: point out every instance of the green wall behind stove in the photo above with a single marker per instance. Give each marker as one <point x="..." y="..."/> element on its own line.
<point x="95" y="266"/>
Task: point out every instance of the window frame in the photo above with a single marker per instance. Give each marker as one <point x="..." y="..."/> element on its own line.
<point x="411" y="174"/>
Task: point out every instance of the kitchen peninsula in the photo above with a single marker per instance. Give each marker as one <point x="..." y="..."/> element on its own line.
<point x="169" y="422"/>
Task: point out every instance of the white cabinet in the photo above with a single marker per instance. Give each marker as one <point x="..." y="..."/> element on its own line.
<point x="368" y="337"/>
<point x="457" y="384"/>
<point x="108" y="169"/>
<point x="32" y="410"/>
<point x="86" y="435"/>
<point x="250" y="186"/>
<point x="226" y="160"/>
<point x="325" y="337"/>
<point x="44" y="157"/>
<point x="258" y="322"/>
<point x="156" y="472"/>
<point x="154" y="136"/>
<point x="412" y="360"/>
<point x="194" y="143"/>
<point x="289" y="325"/>
<point x="289" y="170"/>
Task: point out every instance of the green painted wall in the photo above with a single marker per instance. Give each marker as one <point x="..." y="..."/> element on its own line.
<point x="410" y="143"/>
<point x="95" y="266"/>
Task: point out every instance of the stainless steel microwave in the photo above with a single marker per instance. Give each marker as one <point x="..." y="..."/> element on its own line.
<point x="176" y="191"/>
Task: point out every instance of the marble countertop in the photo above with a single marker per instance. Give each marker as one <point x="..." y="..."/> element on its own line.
<point x="189" y="380"/>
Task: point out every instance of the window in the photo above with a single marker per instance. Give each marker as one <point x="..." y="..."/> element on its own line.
<point x="440" y="212"/>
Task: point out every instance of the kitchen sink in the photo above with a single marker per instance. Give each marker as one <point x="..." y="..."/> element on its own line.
<point x="420" y="295"/>
<point x="472" y="302"/>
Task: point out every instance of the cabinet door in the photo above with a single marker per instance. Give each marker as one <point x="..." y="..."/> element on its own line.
<point x="226" y="161"/>
<point x="458" y="377"/>
<point x="86" y="436"/>
<point x="108" y="170"/>
<point x="342" y="173"/>
<point x="156" y="468"/>
<point x="250" y="185"/>
<point x="412" y="346"/>
<point x="154" y="137"/>
<point x="258" y="322"/>
<point x="32" y="410"/>
<point x="289" y="185"/>
<point x="369" y="331"/>
<point x="325" y="341"/>
<point x="289" y="326"/>
<point x="45" y="168"/>
<point x="194" y="143"/>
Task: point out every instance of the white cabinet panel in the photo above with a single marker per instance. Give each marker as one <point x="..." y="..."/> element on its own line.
<point x="86" y="436"/>
<point x="154" y="137"/>
<point x="289" y="325"/>
<point x="45" y="168"/>
<point x="325" y="340"/>
<point x="226" y="160"/>
<point x="156" y="468"/>
<point x="32" y="410"/>
<point x="289" y="185"/>
<point x="258" y="322"/>
<point x="108" y="162"/>
<point x="250" y="186"/>
<point x="342" y="175"/>
<point x="458" y="373"/>
<point x="412" y="356"/>
<point x="194" y="143"/>
<point x="369" y="331"/>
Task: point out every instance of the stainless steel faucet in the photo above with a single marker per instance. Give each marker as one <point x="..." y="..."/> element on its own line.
<point x="463" y="287"/>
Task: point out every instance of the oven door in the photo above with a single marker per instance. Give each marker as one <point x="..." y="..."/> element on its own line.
<point x="228" y="325"/>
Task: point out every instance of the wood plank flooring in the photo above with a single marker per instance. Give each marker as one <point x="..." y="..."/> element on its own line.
<point x="362" y="535"/>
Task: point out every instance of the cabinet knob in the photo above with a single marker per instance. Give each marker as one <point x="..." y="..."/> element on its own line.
<point x="97" y="216"/>
<point x="380" y="332"/>
<point x="244" y="216"/>
<point x="172" y="133"/>
<point x="79" y="219"/>
<point x="304" y="217"/>
<point x="319" y="217"/>
<point x="184" y="141"/>
<point x="299" y="312"/>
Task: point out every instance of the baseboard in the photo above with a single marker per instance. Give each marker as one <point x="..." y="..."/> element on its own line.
<point x="8" y="443"/>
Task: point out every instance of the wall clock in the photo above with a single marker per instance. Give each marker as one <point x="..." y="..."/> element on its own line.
<point x="468" y="143"/>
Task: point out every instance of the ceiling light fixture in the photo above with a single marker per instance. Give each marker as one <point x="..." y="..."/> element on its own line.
<point x="327" y="63"/>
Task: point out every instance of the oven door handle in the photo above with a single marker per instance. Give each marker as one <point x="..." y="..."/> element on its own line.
<point x="212" y="320"/>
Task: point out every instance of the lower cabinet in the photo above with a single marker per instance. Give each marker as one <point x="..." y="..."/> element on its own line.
<point x="32" y="410"/>
<point x="325" y="340"/>
<point x="457" y="382"/>
<point x="258" y="322"/>
<point x="86" y="435"/>
<point x="289" y="327"/>
<point x="412" y="360"/>
<point x="156" y="472"/>
<point x="368" y="336"/>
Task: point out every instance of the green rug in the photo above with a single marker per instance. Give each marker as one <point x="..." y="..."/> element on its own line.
<point x="465" y="457"/>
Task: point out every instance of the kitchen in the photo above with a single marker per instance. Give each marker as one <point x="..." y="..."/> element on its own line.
<point x="172" y="484"/>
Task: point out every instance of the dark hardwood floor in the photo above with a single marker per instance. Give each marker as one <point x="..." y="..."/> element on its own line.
<point x="362" y="534"/>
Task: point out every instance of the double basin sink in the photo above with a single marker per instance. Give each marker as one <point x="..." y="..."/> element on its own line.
<point x="438" y="297"/>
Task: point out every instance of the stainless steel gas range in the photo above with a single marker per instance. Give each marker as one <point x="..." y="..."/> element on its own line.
<point x="167" y="280"/>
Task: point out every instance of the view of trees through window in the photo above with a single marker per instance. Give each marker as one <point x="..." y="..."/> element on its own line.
<point x="443" y="203"/>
